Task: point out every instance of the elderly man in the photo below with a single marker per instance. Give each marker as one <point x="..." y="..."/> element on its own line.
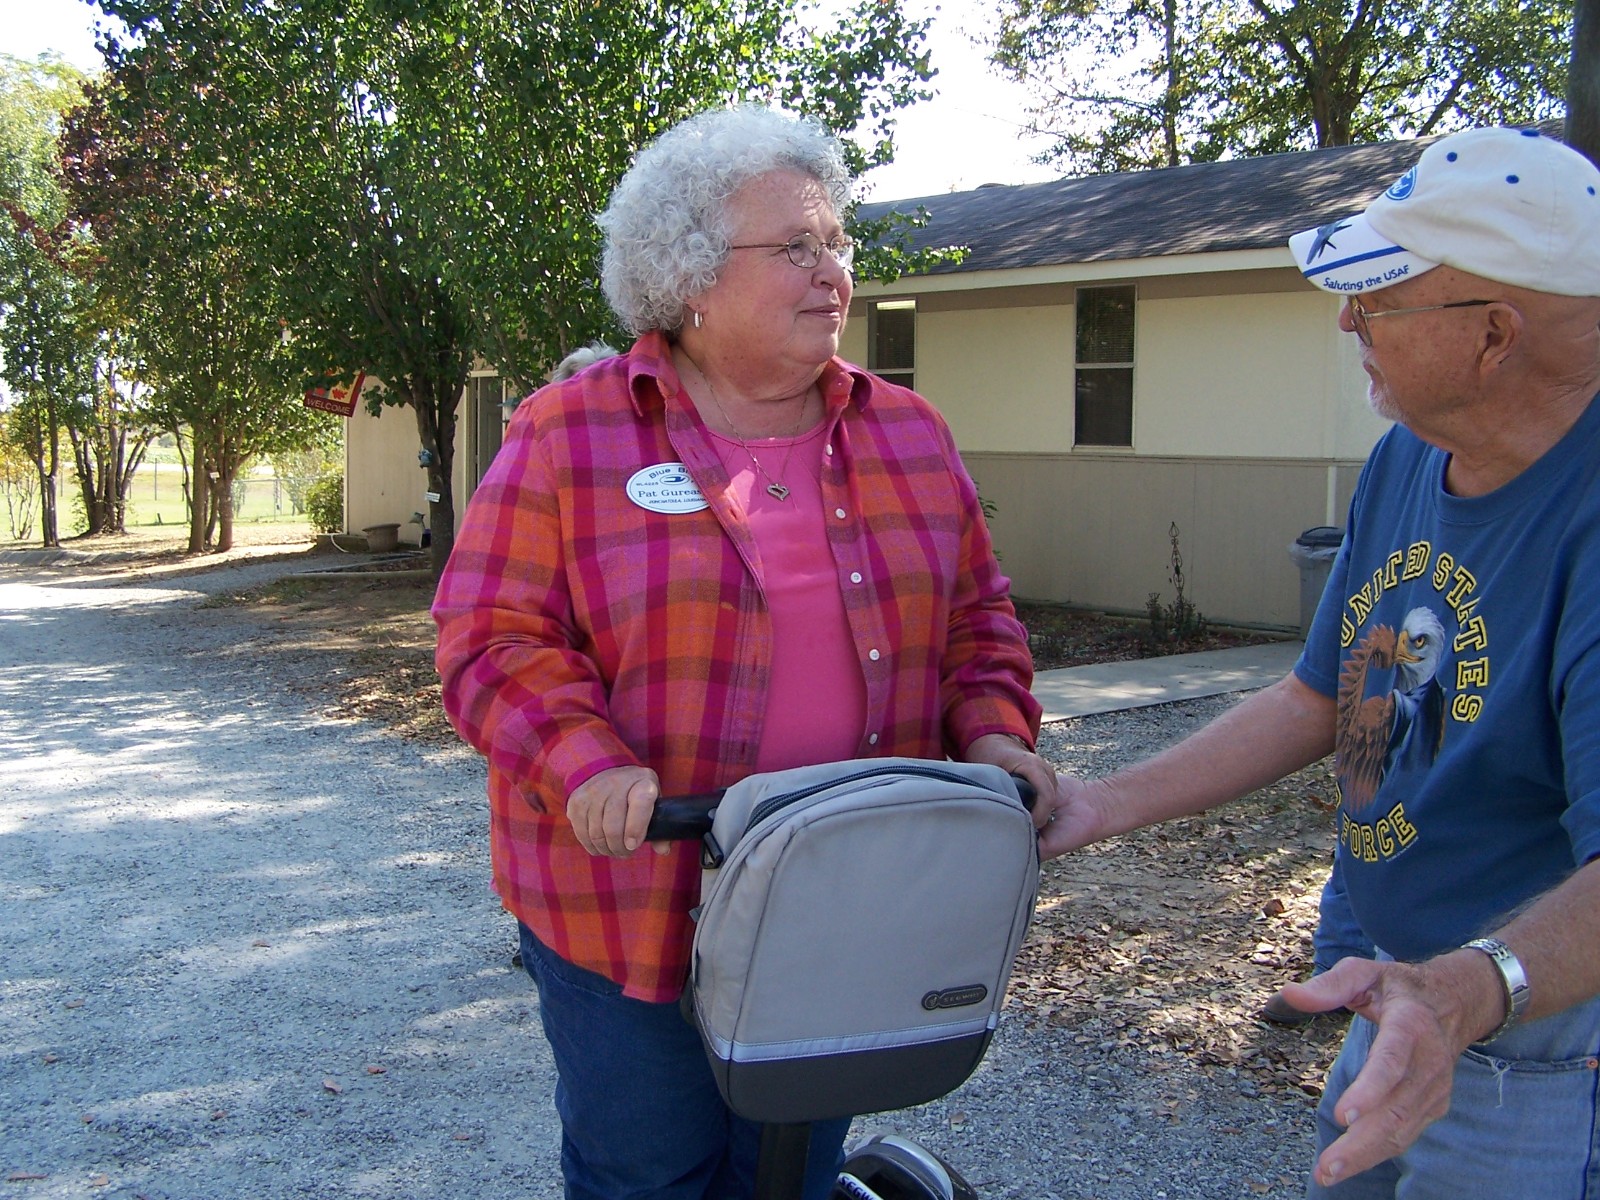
<point x="1454" y="669"/>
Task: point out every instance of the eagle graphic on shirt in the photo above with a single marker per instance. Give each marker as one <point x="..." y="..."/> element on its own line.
<point x="1391" y="707"/>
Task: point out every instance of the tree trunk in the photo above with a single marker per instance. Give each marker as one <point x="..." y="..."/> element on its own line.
<point x="1171" y="102"/>
<point x="1583" y="80"/>
<point x="48" y="463"/>
<point x="436" y="426"/>
<point x="49" y="529"/>
<point x="199" y="497"/>
<point x="85" y="461"/>
<point x="112" y="515"/>
<point x="129" y="462"/>
<point x="222" y="504"/>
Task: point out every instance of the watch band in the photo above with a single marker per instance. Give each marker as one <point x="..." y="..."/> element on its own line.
<point x="1512" y="977"/>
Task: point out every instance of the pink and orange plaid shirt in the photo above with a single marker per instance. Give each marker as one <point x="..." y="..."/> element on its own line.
<point x="585" y="625"/>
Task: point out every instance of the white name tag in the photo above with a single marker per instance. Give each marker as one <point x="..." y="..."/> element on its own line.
<point x="666" y="488"/>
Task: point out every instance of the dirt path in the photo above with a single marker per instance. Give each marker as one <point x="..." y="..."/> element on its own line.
<point x="249" y="952"/>
<point x="252" y="949"/>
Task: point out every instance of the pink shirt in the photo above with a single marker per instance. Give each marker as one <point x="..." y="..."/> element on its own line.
<point x="816" y="704"/>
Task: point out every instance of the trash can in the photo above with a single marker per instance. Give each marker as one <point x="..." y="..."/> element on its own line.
<point x="1313" y="552"/>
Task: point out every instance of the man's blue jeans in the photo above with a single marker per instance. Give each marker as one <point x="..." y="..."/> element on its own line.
<point x="1337" y="935"/>
<point x="1522" y="1122"/>
<point x="641" y="1117"/>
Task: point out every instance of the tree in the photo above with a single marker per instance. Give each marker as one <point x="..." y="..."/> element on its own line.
<point x="415" y="180"/>
<point x="535" y="185"/>
<point x="19" y="481"/>
<point x="58" y="336"/>
<point x="193" y="312"/>
<point x="47" y="366"/>
<point x="300" y="468"/>
<point x="1583" y="80"/>
<point x="44" y="359"/>
<point x="1127" y="84"/>
<point x="109" y="445"/>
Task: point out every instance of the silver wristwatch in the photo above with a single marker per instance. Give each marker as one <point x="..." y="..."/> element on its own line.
<point x="1512" y="977"/>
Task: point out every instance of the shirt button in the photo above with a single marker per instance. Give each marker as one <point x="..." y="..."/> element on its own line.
<point x="839" y="512"/>
<point x="855" y="576"/>
<point x="828" y="449"/>
<point x="873" y="740"/>
<point x="874" y="655"/>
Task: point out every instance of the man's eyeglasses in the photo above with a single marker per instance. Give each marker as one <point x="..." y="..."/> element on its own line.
<point x="1360" y="316"/>
<point x="805" y="249"/>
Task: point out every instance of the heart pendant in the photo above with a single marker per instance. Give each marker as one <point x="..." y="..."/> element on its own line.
<point x="777" y="491"/>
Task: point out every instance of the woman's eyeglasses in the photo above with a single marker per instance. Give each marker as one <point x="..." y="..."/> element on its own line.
<point x="805" y="249"/>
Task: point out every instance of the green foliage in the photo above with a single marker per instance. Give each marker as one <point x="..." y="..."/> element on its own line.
<point x="1130" y="84"/>
<point x="324" y="504"/>
<point x="297" y="470"/>
<point x="19" y="481"/>
<point x="404" y="186"/>
<point x="195" y="310"/>
<point x="1180" y="620"/>
<point x="33" y="97"/>
<point x="46" y="350"/>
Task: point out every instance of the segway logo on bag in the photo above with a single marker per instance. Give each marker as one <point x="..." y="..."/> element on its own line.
<point x="957" y="997"/>
<point x="666" y="488"/>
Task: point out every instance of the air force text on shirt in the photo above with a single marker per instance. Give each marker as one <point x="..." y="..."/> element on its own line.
<point x="1383" y="838"/>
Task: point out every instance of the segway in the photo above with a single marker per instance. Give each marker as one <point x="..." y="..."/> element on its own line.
<point x="851" y="951"/>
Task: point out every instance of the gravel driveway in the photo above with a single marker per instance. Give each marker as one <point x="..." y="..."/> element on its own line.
<point x="251" y="953"/>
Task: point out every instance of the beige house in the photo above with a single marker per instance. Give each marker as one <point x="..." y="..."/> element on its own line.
<point x="1115" y="354"/>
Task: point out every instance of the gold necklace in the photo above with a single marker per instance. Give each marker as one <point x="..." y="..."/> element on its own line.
<point x="776" y="488"/>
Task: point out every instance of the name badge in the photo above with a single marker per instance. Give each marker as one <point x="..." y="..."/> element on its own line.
<point x="666" y="488"/>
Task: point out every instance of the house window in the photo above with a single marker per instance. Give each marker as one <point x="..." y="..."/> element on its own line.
<point x="1103" y="413"/>
<point x="892" y="340"/>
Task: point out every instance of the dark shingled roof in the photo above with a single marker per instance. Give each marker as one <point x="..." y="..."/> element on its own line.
<point x="1243" y="204"/>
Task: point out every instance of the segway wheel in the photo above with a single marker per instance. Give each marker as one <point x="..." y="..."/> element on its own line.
<point x="886" y="1166"/>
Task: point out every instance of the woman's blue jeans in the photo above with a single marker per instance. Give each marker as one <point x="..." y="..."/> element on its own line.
<point x="641" y="1117"/>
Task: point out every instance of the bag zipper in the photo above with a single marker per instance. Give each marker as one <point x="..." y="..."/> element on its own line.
<point x="774" y="804"/>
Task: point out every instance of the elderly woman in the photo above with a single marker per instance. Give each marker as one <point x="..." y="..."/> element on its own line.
<point x="725" y="551"/>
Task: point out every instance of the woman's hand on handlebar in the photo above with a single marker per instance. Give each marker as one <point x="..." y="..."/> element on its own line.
<point x="1003" y="750"/>
<point x="610" y="812"/>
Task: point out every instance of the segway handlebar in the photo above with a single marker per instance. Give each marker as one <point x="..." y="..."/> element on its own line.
<point x="685" y="818"/>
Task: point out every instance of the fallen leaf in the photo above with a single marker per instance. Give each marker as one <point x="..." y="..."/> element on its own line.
<point x="23" y="1176"/>
<point x="460" y="1137"/>
<point x="1274" y="908"/>
<point x="100" y="1181"/>
<point x="50" y="1058"/>
<point x="219" y="1114"/>
<point x="374" y="1069"/>
<point x="261" y="943"/>
<point x="75" y="1003"/>
<point x="332" y="1085"/>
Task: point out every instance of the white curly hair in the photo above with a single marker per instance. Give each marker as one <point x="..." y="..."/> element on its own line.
<point x="666" y="227"/>
<point x="580" y="358"/>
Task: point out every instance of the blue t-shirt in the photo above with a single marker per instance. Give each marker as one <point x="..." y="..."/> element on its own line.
<point x="1460" y="638"/>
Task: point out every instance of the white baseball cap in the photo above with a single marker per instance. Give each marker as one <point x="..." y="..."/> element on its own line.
<point x="1509" y="205"/>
